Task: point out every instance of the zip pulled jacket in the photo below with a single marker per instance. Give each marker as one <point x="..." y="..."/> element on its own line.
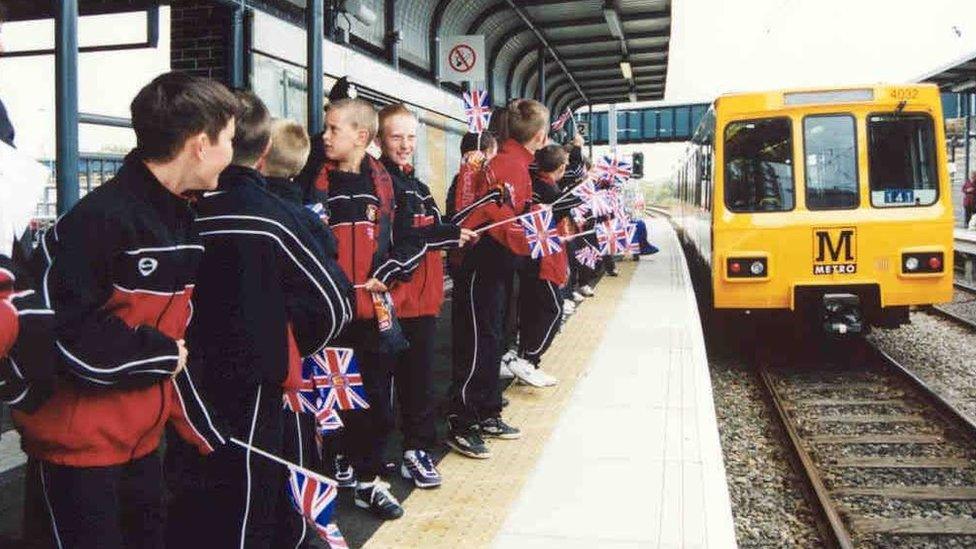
<point x="264" y="282"/>
<point x="423" y="294"/>
<point x="373" y="234"/>
<point x="119" y="273"/>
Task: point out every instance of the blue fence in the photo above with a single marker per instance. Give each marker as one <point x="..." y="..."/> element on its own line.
<point x="93" y="170"/>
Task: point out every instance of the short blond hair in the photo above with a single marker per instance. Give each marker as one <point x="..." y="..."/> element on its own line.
<point x="289" y="149"/>
<point x="526" y="117"/>
<point x="360" y="114"/>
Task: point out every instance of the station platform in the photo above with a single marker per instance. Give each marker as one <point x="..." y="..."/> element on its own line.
<point x="624" y="452"/>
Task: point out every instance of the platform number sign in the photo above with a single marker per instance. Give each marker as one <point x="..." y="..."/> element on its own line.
<point x="462" y="58"/>
<point x="834" y="251"/>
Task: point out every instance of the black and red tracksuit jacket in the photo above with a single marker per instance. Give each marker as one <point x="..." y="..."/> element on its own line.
<point x="373" y="235"/>
<point x="506" y="174"/>
<point x="265" y="290"/>
<point x="423" y="294"/>
<point x="120" y="269"/>
<point x="555" y="267"/>
<point x="27" y="351"/>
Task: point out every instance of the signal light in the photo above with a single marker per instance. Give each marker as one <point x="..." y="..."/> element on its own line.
<point x="935" y="263"/>
<point x="746" y="267"/>
<point x="735" y="267"/>
<point x="922" y="263"/>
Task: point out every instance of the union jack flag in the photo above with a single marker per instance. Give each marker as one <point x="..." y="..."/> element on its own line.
<point x="319" y="210"/>
<point x="314" y="498"/>
<point x="579" y="215"/>
<point x="612" y="240"/>
<point x="328" y="420"/>
<point x="477" y="109"/>
<point x="541" y="234"/>
<point x="601" y="203"/>
<point x="588" y="255"/>
<point x="335" y="374"/>
<point x="561" y="121"/>
<point x="633" y="246"/>
<point x="585" y="191"/>
<point x="614" y="169"/>
<point x="334" y="537"/>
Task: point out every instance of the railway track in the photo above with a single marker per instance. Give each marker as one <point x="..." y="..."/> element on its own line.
<point x="887" y="461"/>
<point x="945" y="311"/>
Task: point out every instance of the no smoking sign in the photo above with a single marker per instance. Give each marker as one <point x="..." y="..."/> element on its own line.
<point x="462" y="58"/>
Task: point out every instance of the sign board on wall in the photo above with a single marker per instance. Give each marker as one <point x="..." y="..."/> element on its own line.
<point x="462" y="58"/>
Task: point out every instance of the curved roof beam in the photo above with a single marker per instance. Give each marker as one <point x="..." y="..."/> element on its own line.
<point x="483" y="16"/>
<point x="435" y="23"/>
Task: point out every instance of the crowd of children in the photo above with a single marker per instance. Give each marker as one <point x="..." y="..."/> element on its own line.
<point x="179" y="300"/>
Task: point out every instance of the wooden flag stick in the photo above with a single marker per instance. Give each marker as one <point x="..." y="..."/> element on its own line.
<point x="286" y="463"/>
<point x="510" y="219"/>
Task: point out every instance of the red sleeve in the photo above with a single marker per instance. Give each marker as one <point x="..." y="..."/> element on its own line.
<point x="9" y="327"/>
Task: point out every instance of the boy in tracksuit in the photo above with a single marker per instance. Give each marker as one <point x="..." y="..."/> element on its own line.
<point x="480" y="287"/>
<point x="265" y="293"/>
<point x="119" y="275"/>
<point x="374" y="254"/>
<point x="417" y="301"/>
<point x="540" y="299"/>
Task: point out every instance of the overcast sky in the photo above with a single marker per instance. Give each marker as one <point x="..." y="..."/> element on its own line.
<point x="716" y="46"/>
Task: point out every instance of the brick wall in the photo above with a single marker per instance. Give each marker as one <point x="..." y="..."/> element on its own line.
<point x="200" y="33"/>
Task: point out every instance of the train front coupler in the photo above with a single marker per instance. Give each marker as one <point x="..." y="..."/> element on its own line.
<point x="841" y="314"/>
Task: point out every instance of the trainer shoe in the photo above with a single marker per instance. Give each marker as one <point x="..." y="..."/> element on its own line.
<point x="578" y="297"/>
<point x="548" y="380"/>
<point x="344" y="474"/>
<point x="525" y="372"/>
<point x="376" y="497"/>
<point x="496" y="428"/>
<point x="587" y="291"/>
<point x="504" y="372"/>
<point x="468" y="442"/>
<point x="418" y="467"/>
<point x="569" y="306"/>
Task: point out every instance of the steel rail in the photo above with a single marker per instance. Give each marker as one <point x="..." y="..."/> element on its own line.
<point x="831" y="520"/>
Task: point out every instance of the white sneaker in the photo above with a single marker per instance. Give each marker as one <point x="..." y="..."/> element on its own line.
<point x="504" y="371"/>
<point x="525" y="372"/>
<point x="578" y="297"/>
<point x="568" y="307"/>
<point x="587" y="291"/>
<point x="548" y="380"/>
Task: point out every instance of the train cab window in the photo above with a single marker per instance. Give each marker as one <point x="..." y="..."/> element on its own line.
<point x="759" y="165"/>
<point x="901" y="160"/>
<point x="830" y="155"/>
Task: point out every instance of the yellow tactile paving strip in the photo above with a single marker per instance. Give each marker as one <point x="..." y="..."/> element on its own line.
<point x="471" y="506"/>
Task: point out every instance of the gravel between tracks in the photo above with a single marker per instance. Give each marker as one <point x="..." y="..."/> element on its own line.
<point x="768" y="504"/>
<point x="938" y="351"/>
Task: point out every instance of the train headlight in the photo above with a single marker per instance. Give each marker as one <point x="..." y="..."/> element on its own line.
<point x="922" y="263"/>
<point x="735" y="267"/>
<point x="911" y="264"/>
<point x="757" y="268"/>
<point x="746" y="267"/>
<point x="935" y="263"/>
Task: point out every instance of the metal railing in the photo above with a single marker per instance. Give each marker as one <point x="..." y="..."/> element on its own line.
<point x="93" y="170"/>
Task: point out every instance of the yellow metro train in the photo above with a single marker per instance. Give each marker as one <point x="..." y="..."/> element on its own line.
<point x="831" y="203"/>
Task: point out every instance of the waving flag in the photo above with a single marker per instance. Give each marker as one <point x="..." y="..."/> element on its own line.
<point x="614" y="169"/>
<point x="314" y="497"/>
<point x="336" y="376"/>
<point x="334" y="538"/>
<point x="541" y="233"/>
<point x="612" y="240"/>
<point x="588" y="255"/>
<point x="561" y="121"/>
<point x="601" y="203"/>
<point x="579" y="215"/>
<point x="585" y="191"/>
<point x="327" y="420"/>
<point x="477" y="109"/>
<point x="633" y="246"/>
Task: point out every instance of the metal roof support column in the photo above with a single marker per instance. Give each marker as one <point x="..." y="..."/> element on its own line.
<point x="66" y="102"/>
<point x="968" y="97"/>
<point x="541" y="62"/>
<point x="589" y="125"/>
<point x="314" y="20"/>
<point x="392" y="34"/>
<point x="235" y="48"/>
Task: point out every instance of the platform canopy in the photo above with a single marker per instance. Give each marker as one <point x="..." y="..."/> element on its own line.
<point x="958" y="76"/>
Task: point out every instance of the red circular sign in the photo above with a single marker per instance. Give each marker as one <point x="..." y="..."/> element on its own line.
<point x="462" y="58"/>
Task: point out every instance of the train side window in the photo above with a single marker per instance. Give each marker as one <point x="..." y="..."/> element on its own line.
<point x="901" y="160"/>
<point x="759" y="165"/>
<point x="830" y="156"/>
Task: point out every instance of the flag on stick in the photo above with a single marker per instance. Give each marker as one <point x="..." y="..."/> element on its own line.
<point x="477" y="110"/>
<point x="541" y="233"/>
<point x="614" y="169"/>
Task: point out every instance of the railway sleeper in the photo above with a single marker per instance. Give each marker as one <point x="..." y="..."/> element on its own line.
<point x="919" y="493"/>
<point x="914" y="526"/>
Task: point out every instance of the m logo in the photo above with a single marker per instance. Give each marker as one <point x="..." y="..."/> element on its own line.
<point x="147" y="266"/>
<point x="834" y="251"/>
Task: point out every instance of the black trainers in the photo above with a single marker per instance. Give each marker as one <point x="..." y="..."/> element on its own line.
<point x="344" y="474"/>
<point x="468" y="442"/>
<point x="376" y="497"/>
<point x="496" y="428"/>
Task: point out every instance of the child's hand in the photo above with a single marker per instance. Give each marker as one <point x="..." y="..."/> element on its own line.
<point x="374" y="285"/>
<point x="468" y="236"/>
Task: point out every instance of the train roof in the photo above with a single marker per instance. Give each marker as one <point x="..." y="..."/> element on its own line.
<point x="800" y="98"/>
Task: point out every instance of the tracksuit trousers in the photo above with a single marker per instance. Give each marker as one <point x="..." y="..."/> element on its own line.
<point x="113" y="507"/>
<point x="366" y="432"/>
<point x="479" y="308"/>
<point x="235" y="497"/>
<point x="412" y="378"/>
<point x="540" y="315"/>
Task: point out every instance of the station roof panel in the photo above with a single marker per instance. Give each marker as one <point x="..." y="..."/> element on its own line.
<point x="958" y="76"/>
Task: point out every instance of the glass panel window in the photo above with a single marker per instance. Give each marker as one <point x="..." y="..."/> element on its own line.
<point x="759" y="166"/>
<point x="830" y="150"/>
<point x="901" y="160"/>
<point x="682" y="124"/>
